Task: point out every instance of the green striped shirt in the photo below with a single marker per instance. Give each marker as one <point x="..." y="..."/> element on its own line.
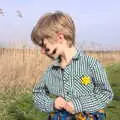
<point x="83" y="81"/>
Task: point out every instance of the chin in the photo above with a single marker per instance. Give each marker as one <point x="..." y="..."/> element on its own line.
<point x="55" y="57"/>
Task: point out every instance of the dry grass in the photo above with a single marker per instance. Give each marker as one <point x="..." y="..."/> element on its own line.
<point x="22" y="68"/>
<point x="106" y="57"/>
<point x="21" y="71"/>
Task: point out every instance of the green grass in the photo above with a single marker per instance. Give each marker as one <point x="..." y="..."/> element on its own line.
<point x="113" y="110"/>
<point x="19" y="106"/>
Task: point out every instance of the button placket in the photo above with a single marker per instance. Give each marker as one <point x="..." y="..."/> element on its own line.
<point x="66" y="82"/>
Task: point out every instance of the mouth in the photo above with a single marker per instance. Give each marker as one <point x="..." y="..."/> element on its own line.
<point x="54" y="51"/>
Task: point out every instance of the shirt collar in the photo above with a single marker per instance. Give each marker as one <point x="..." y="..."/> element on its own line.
<point x="75" y="57"/>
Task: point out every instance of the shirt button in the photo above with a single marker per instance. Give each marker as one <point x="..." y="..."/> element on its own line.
<point x="67" y="93"/>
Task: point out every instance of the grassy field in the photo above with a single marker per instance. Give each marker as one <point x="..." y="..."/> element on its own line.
<point x="15" y="105"/>
<point x="113" y="110"/>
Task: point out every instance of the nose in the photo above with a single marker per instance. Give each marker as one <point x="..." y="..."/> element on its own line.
<point x="44" y="50"/>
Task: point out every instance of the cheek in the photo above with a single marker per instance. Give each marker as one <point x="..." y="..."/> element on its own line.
<point x="59" y="51"/>
<point x="61" y="48"/>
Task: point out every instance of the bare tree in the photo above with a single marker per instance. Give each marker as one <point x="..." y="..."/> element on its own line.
<point x="19" y="14"/>
<point x="1" y="12"/>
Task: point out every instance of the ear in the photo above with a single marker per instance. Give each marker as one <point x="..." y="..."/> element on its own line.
<point x="60" y="37"/>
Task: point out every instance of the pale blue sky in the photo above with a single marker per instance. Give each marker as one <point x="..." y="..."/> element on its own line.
<point x="96" y="21"/>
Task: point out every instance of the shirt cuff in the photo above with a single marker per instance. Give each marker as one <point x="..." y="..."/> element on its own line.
<point x="77" y="105"/>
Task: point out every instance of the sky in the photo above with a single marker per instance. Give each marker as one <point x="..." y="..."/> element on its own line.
<point x="96" y="21"/>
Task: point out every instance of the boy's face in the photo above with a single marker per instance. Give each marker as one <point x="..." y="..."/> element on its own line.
<point x="54" y="47"/>
<point x="49" y="48"/>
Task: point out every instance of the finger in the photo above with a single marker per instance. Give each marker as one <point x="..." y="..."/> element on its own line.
<point x="68" y="108"/>
<point x="59" y="108"/>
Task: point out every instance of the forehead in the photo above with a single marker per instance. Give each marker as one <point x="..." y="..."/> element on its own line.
<point x="43" y="41"/>
<point x="49" y="40"/>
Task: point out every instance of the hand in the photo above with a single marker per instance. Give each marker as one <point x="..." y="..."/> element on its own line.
<point x="69" y="107"/>
<point x="59" y="103"/>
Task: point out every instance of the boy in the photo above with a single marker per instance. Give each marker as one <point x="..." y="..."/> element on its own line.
<point x="78" y="81"/>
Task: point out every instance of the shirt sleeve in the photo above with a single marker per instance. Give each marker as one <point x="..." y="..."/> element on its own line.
<point x="40" y="97"/>
<point x="102" y="93"/>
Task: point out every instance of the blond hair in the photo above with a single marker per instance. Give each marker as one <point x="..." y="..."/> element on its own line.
<point x="52" y="23"/>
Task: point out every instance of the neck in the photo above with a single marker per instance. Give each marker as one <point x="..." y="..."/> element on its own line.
<point x="68" y="54"/>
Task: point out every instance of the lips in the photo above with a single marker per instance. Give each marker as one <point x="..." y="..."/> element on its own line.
<point x="54" y="51"/>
